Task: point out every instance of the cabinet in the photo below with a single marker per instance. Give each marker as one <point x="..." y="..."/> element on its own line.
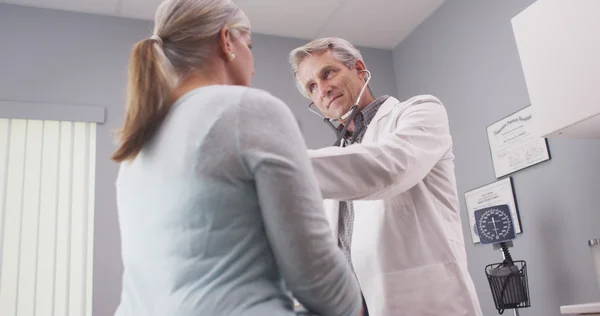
<point x="558" y="42"/>
<point x="591" y="309"/>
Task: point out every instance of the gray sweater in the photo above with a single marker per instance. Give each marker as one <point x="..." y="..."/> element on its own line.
<point x="221" y="214"/>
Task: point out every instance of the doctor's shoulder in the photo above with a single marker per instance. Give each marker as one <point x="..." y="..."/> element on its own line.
<point x="433" y="104"/>
<point x="421" y="99"/>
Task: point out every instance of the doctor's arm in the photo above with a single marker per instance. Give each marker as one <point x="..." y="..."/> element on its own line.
<point x="389" y="167"/>
<point x="273" y="151"/>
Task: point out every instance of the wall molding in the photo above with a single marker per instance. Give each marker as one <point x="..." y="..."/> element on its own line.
<point x="52" y="112"/>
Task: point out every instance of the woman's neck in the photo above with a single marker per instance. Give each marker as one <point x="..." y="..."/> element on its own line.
<point x="207" y="77"/>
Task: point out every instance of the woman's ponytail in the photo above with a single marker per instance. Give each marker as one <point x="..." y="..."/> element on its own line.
<point x="149" y="96"/>
<point x="189" y="29"/>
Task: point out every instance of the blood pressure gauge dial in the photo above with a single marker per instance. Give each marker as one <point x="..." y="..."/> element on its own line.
<point x="494" y="224"/>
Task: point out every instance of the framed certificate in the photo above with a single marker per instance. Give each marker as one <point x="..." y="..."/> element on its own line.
<point x="496" y="193"/>
<point x="513" y="145"/>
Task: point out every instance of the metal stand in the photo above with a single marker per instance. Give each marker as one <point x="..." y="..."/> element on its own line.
<point x="509" y="244"/>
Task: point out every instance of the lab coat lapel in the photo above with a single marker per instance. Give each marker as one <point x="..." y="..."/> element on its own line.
<point x="384" y="110"/>
<point x="332" y="208"/>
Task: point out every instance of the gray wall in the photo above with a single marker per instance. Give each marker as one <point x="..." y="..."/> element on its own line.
<point x="466" y="55"/>
<point x="77" y="59"/>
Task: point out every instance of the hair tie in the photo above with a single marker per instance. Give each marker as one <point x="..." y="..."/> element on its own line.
<point x="156" y="38"/>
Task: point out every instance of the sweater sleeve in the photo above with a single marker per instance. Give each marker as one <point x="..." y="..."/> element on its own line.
<point x="272" y="149"/>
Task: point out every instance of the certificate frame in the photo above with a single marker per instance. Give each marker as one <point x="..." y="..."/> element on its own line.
<point x="495" y="193"/>
<point x="524" y="152"/>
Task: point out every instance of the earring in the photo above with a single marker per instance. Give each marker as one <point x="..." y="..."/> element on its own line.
<point x="232" y="56"/>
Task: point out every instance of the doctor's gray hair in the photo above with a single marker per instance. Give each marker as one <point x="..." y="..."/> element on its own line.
<point x="186" y="35"/>
<point x="342" y="50"/>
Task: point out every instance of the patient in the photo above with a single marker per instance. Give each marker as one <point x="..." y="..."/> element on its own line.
<point x="219" y="210"/>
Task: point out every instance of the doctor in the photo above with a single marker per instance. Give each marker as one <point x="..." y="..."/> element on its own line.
<point x="389" y="187"/>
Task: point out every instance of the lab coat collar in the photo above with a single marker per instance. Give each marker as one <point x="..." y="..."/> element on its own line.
<point x="385" y="108"/>
<point x="391" y="102"/>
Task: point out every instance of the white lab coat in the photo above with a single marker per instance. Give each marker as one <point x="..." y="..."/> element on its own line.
<point x="407" y="245"/>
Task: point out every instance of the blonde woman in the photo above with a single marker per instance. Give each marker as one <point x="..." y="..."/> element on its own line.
<point x="219" y="210"/>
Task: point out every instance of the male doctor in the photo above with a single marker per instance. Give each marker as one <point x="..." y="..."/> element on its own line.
<point x="390" y="192"/>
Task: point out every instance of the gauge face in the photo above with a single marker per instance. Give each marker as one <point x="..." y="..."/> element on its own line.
<point x="494" y="224"/>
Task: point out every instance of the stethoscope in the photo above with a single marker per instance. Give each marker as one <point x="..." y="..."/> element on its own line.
<point x="350" y="114"/>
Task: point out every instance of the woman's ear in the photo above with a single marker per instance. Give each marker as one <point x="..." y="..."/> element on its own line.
<point x="226" y="43"/>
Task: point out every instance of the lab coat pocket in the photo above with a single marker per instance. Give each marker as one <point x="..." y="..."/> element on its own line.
<point x="426" y="290"/>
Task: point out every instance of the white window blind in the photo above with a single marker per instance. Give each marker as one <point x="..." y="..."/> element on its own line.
<point x="47" y="171"/>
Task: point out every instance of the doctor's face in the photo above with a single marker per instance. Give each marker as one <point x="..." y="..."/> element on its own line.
<point x="331" y="85"/>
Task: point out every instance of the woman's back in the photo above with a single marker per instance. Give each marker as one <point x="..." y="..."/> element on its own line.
<point x="206" y="224"/>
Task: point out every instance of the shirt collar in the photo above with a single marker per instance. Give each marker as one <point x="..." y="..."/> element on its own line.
<point x="366" y="115"/>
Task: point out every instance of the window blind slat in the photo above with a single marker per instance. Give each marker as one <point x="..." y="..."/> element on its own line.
<point x="78" y="207"/>
<point x="90" y="218"/>
<point x="61" y="289"/>
<point x="12" y="220"/>
<point x="4" y="144"/>
<point x="29" y="218"/>
<point x="48" y="211"/>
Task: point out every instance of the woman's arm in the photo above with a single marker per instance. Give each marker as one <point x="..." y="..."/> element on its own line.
<point x="273" y="150"/>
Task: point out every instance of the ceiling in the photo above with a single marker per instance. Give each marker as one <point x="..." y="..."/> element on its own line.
<point x="371" y="23"/>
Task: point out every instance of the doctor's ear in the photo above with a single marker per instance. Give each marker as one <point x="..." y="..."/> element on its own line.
<point x="360" y="65"/>
<point x="360" y="68"/>
<point x="363" y="75"/>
